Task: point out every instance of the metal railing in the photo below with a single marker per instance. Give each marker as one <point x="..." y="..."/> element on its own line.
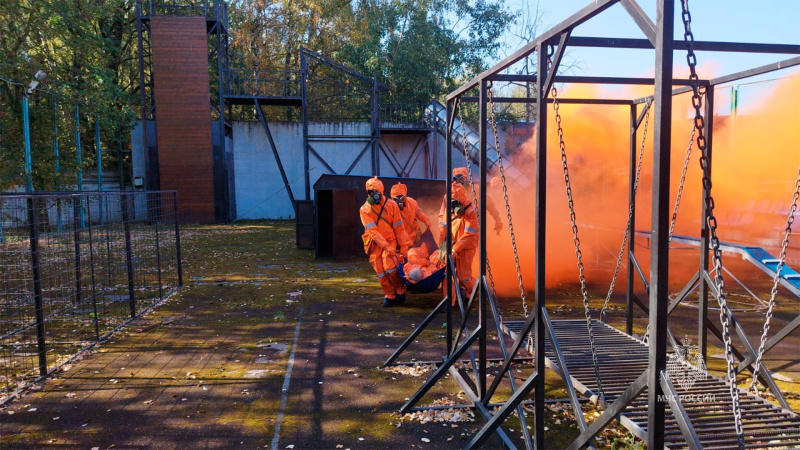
<point x="75" y="267"/>
<point x="404" y="116"/>
<point x="204" y="8"/>
<point x="262" y="83"/>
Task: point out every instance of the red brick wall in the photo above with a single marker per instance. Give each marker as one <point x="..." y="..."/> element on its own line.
<point x="183" y="115"/>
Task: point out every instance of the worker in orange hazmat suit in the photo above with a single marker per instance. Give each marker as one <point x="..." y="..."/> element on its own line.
<point x="420" y="265"/>
<point x="465" y="238"/>
<point x="384" y="234"/>
<point x="461" y="176"/>
<point x="410" y="211"/>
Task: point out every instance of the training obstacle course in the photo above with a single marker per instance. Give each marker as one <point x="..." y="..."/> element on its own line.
<point x="642" y="392"/>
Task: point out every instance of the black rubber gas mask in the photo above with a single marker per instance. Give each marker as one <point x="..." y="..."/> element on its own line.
<point x="456" y="207"/>
<point x="460" y="179"/>
<point x="373" y="197"/>
<point x="401" y="201"/>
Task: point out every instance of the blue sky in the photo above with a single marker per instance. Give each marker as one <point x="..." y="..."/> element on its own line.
<point x="769" y="21"/>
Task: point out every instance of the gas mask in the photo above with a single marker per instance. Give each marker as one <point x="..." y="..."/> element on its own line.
<point x="456" y="207"/>
<point x="460" y="179"/>
<point x="373" y="197"/>
<point x="401" y="201"/>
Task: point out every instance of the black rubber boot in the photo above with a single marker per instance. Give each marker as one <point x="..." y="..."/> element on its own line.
<point x="388" y="302"/>
<point x="400" y="299"/>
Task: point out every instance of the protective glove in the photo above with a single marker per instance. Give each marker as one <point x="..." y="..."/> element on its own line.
<point x="498" y="226"/>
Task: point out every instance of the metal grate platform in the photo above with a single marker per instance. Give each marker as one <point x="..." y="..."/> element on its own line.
<point x="622" y="359"/>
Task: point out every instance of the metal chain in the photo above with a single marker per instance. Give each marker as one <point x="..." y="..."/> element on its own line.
<point x="508" y="205"/>
<point x="630" y="214"/>
<point x="699" y="124"/>
<point x="683" y="181"/>
<point x="775" y="281"/>
<point x="576" y="240"/>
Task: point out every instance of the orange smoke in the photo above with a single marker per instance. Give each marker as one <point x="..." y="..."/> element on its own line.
<point x="756" y="156"/>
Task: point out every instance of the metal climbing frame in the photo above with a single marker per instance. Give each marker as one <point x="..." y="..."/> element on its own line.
<point x="654" y="377"/>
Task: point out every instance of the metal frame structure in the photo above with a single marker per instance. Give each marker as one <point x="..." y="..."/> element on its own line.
<point x="654" y="379"/>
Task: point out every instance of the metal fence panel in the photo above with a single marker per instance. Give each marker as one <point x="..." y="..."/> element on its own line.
<point x="74" y="267"/>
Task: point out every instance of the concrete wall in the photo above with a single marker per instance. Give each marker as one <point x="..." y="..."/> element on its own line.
<point x="260" y="192"/>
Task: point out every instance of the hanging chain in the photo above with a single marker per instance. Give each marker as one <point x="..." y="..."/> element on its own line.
<point x="508" y="205"/>
<point x="699" y="125"/>
<point x="683" y="181"/>
<point x="775" y="281"/>
<point x="576" y="240"/>
<point x="630" y="213"/>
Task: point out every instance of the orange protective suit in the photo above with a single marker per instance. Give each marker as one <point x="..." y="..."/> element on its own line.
<point x="383" y="234"/>
<point x="465" y="237"/>
<point x="410" y="211"/>
<point x="490" y="206"/>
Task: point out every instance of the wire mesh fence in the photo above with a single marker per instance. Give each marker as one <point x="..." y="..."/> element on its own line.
<point x="74" y="267"/>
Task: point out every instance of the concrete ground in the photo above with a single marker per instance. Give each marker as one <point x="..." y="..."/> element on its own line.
<point x="208" y="369"/>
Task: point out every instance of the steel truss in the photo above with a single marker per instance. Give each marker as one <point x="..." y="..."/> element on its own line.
<point x="654" y="377"/>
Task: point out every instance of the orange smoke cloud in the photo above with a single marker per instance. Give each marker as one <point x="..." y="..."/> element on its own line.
<point x="756" y="155"/>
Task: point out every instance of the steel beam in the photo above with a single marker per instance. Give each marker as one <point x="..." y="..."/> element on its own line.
<point x="413" y="336"/>
<point x="791" y="62"/>
<point x="571" y="22"/>
<point x="508" y="407"/>
<point x="571" y="101"/>
<point x="483" y="167"/>
<point x="678" y="45"/>
<point x="632" y="164"/>
<point x="439" y="373"/>
<point x="659" y="253"/>
<point x="276" y="155"/>
<point x="774" y="340"/>
<point x="562" y="46"/>
<point x="450" y="107"/>
<point x="581" y="79"/>
<point x="540" y="243"/>
<point x="642" y="20"/>
<point x="705" y="236"/>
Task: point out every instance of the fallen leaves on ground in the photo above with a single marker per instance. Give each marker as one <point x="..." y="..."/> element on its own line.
<point x="441" y="415"/>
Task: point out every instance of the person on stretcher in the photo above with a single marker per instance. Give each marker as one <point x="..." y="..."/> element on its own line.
<point x="420" y="265"/>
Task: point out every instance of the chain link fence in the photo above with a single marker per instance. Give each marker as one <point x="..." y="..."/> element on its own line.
<point x="75" y="267"/>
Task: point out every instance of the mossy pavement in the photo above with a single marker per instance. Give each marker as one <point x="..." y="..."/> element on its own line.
<point x="206" y="369"/>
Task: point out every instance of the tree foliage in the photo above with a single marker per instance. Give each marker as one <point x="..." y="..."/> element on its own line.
<point x="421" y="48"/>
<point x="88" y="51"/>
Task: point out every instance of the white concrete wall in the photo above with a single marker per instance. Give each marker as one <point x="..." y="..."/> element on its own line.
<point x="260" y="192"/>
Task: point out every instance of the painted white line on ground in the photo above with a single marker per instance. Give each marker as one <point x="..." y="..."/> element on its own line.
<point x="276" y="437"/>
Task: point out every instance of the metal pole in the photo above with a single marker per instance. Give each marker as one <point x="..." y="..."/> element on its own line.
<point x="632" y="204"/>
<point x="177" y="239"/>
<point x="128" y="253"/>
<point x="659" y="253"/>
<point x="540" y="240"/>
<point x="26" y="134"/>
<point x="448" y="219"/>
<point x="482" y="311"/>
<point x="99" y="151"/>
<point x="376" y="158"/>
<point x="78" y="149"/>
<point x="33" y="227"/>
<point x="91" y="265"/>
<point x="158" y="247"/>
<point x="702" y="320"/>
<point x="76" y="208"/>
<point x="304" y="101"/>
